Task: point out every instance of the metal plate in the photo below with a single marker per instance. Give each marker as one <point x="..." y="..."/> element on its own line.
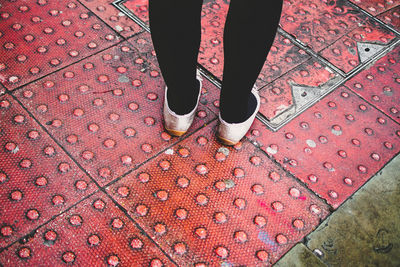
<point x="358" y="46"/>
<point x="375" y="7"/>
<point x="335" y="146"/>
<point x="391" y="17"/>
<point x="37" y="179"/>
<point x="113" y="17"/>
<point x="379" y="84"/>
<point x="40" y="37"/>
<point x="210" y="207"/>
<point x="93" y="233"/>
<point x="106" y="111"/>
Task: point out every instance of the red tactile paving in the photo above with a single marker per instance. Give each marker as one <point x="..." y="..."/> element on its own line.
<point x="40" y="37"/>
<point x="319" y="23"/>
<point x="37" y="179"/>
<point x="335" y="146"/>
<point x="375" y="7"/>
<point x="380" y="83"/>
<point x="106" y="111"/>
<point x="93" y="233"/>
<point x="277" y="97"/>
<point x="113" y="16"/>
<point x="225" y="205"/>
<point x="391" y="17"/>
<point x="344" y="53"/>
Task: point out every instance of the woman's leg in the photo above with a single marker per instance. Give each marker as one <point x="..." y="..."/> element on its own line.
<point x="249" y="32"/>
<point x="175" y="27"/>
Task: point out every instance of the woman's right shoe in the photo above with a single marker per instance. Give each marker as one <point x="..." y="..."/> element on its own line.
<point x="175" y="124"/>
<point x="231" y="133"/>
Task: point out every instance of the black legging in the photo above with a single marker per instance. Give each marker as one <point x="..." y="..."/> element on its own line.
<point x="249" y="31"/>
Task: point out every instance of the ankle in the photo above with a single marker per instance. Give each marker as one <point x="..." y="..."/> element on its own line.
<point x="183" y="101"/>
<point x="240" y="113"/>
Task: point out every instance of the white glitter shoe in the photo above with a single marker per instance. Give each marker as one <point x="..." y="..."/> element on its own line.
<point x="175" y="124"/>
<point x="231" y="133"/>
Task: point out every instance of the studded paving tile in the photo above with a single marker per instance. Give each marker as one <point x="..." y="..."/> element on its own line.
<point x="93" y="233"/>
<point x="211" y="48"/>
<point x="106" y="111"/>
<point x="379" y="84"/>
<point x="358" y="46"/>
<point x="335" y="146"/>
<point x="375" y="7"/>
<point x="37" y="179"/>
<point x="391" y="17"/>
<point x="210" y="207"/>
<point x="113" y="17"/>
<point x="281" y="99"/>
<point x="39" y="37"/>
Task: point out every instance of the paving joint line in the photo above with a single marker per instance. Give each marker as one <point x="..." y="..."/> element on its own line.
<point x="186" y="136"/>
<point x="137" y="225"/>
<point x="66" y="66"/>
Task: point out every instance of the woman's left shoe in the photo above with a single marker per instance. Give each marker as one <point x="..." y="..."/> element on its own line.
<point x="231" y="133"/>
<point x="175" y="124"/>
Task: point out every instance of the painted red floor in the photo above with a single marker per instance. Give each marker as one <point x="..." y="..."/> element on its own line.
<point x="89" y="177"/>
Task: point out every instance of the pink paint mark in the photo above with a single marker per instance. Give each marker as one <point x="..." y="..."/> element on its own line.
<point x="263" y="204"/>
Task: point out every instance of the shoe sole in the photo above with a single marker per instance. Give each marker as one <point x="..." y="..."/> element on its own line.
<point x="226" y="141"/>
<point x="175" y="133"/>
